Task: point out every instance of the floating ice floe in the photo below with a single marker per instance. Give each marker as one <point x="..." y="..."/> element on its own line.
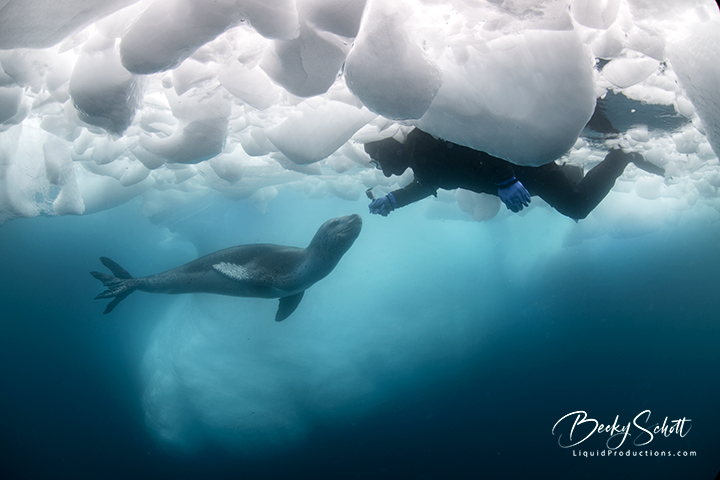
<point x="101" y="102"/>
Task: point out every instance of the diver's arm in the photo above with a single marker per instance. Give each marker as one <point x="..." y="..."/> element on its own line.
<point x="412" y="193"/>
<point x="399" y="198"/>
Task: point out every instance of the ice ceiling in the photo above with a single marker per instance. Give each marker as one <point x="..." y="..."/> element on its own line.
<point x="102" y="101"/>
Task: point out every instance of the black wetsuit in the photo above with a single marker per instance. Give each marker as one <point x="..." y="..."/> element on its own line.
<point x="440" y="164"/>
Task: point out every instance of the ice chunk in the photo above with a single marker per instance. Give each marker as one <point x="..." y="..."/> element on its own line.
<point x="227" y="167"/>
<point x="624" y="215"/>
<point x="639" y="134"/>
<point x="9" y="102"/>
<point x="387" y="68"/>
<point x="649" y="188"/>
<point x="277" y="19"/>
<point x="134" y="174"/>
<point x="199" y="135"/>
<point x="102" y="193"/>
<point x="307" y="65"/>
<point x="263" y="197"/>
<point x="59" y="74"/>
<point x="5" y="79"/>
<point x="684" y="106"/>
<point x="62" y="126"/>
<point x="27" y="68"/>
<point x="61" y="172"/>
<point x="694" y="59"/>
<point x="624" y="72"/>
<point x="40" y="24"/>
<point x="609" y="44"/>
<point x="341" y="17"/>
<point x="192" y="143"/>
<point x="169" y="31"/>
<point x="595" y="13"/>
<point x="255" y="142"/>
<point x="686" y="141"/>
<point x="647" y="42"/>
<point x="104" y="93"/>
<point x="480" y="206"/>
<point x="107" y="150"/>
<point x="313" y="133"/>
<point x="252" y="86"/>
<point x="21" y="173"/>
<point x="524" y="97"/>
<point x="345" y="188"/>
<point x="191" y="73"/>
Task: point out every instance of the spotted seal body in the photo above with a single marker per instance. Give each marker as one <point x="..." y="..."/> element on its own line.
<point x="261" y="270"/>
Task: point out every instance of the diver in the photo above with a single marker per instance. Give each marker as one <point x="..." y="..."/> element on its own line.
<point x="438" y="164"/>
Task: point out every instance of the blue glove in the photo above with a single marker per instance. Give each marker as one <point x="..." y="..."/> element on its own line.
<point x="513" y="194"/>
<point x="383" y="205"/>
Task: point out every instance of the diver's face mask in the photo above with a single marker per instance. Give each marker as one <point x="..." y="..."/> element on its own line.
<point x="388" y="155"/>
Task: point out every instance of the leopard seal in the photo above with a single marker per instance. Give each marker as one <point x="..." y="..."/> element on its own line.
<point x="257" y="270"/>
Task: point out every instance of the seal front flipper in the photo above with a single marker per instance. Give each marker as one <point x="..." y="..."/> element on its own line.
<point x="260" y="276"/>
<point x="287" y="306"/>
<point x="119" y="286"/>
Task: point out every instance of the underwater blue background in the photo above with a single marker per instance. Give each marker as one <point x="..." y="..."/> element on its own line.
<point x="497" y="328"/>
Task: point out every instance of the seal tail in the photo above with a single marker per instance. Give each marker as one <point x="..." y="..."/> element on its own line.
<point x="119" y="286"/>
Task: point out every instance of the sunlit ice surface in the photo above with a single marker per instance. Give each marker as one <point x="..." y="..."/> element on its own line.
<point x="176" y="103"/>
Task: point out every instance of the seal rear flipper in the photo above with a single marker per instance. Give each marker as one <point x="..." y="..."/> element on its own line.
<point x="116" y="269"/>
<point x="105" y="278"/>
<point x="116" y="300"/>
<point x="119" y="286"/>
<point x="287" y="306"/>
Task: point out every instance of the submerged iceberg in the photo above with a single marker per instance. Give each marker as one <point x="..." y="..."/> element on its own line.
<point x="176" y="102"/>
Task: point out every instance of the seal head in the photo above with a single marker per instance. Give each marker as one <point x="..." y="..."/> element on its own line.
<point x="334" y="238"/>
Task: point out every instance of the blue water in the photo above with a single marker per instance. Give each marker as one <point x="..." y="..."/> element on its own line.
<point x="477" y="337"/>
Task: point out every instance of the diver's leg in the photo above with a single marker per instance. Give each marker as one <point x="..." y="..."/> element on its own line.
<point x="577" y="200"/>
<point x="600" y="180"/>
<point x="550" y="183"/>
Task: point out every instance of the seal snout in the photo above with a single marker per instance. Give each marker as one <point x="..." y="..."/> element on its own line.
<point x="352" y="225"/>
<point x="355" y="219"/>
